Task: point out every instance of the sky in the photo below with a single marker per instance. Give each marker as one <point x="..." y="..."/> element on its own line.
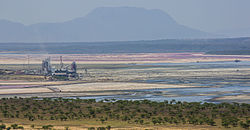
<point x="205" y="15"/>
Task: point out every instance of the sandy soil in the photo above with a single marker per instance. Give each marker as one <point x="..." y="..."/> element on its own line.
<point x="81" y="89"/>
<point x="25" y="90"/>
<point x="32" y="84"/>
<point x="113" y="86"/>
<point x="237" y="98"/>
<point x="85" y="124"/>
<point x="62" y="127"/>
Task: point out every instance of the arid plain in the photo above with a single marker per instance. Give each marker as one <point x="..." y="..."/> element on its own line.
<point x="118" y="74"/>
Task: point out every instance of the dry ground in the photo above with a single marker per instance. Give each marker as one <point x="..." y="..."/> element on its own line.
<point x="85" y="124"/>
<point x="105" y="72"/>
<point x="109" y="86"/>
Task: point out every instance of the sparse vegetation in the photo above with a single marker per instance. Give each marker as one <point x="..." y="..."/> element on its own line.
<point x="143" y="112"/>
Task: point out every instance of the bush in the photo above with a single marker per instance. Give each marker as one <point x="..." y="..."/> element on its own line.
<point x="2" y="126"/>
<point x="108" y="127"/>
<point x="244" y="125"/>
<point x="101" y="128"/>
<point x="46" y="127"/>
<point x="14" y="126"/>
<point x="91" y="128"/>
<point x="20" y="127"/>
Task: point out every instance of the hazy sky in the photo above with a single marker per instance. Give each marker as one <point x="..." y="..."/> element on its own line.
<point x="206" y="15"/>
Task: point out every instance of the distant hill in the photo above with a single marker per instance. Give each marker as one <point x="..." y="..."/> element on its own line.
<point x="102" y="24"/>
<point x="212" y="46"/>
<point x="241" y="32"/>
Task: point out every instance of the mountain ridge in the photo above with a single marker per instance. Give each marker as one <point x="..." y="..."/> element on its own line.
<point x="103" y="24"/>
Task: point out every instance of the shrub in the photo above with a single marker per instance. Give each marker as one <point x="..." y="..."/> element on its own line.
<point x="14" y="126"/>
<point x="244" y="125"/>
<point x="20" y="127"/>
<point x="46" y="127"/>
<point x="91" y="128"/>
<point x="108" y="127"/>
<point x="2" y="126"/>
<point x="101" y="128"/>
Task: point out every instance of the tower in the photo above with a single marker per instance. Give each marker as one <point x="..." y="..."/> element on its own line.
<point x="73" y="67"/>
<point x="61" y="63"/>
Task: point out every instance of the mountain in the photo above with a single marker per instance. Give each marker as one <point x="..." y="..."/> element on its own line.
<point x="11" y="31"/>
<point x="102" y="24"/>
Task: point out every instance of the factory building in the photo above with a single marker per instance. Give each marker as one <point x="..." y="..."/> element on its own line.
<point x="61" y="73"/>
<point x="46" y="66"/>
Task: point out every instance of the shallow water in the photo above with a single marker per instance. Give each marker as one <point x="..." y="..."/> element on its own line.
<point x="180" y="94"/>
<point x="225" y="63"/>
<point x="188" y="94"/>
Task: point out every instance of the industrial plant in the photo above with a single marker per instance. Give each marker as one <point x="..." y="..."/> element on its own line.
<point x="63" y="72"/>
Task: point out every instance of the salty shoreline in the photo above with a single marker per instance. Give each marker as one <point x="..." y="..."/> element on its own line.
<point x="242" y="98"/>
<point x="89" y="87"/>
<point x="126" y="58"/>
<point x="181" y="76"/>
